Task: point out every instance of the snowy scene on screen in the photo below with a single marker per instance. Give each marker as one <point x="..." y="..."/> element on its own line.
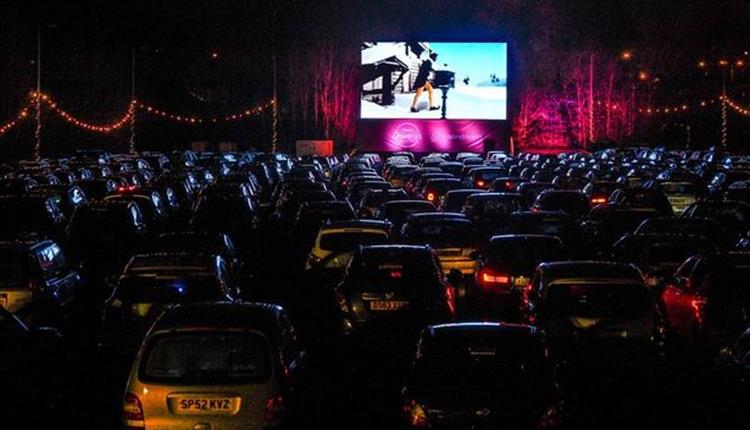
<point x="430" y="80"/>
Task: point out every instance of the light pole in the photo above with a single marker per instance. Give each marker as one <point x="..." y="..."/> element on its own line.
<point x="724" y="117"/>
<point x="132" y="102"/>
<point x="38" y="130"/>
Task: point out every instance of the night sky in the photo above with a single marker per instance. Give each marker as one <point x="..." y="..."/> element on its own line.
<point x="208" y="56"/>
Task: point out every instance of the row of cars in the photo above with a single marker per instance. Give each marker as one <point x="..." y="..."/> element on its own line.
<point x="490" y="281"/>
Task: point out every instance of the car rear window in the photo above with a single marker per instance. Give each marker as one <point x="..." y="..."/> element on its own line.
<point x="599" y="300"/>
<point x="152" y="289"/>
<point x="547" y="226"/>
<point x="480" y="365"/>
<point x="379" y="271"/>
<point x="376" y="199"/>
<point x="488" y="176"/>
<point x="349" y="241"/>
<point x="211" y="357"/>
<point x="679" y="188"/>
<point x="662" y="253"/>
<point x="524" y="256"/>
<point x="188" y="243"/>
<point x="442" y="235"/>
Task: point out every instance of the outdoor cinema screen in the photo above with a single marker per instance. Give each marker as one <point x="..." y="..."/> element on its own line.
<point x="432" y="80"/>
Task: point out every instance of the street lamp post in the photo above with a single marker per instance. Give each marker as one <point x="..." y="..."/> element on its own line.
<point x="38" y="130"/>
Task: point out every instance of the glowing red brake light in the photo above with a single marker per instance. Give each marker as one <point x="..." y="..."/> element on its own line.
<point x="396" y="274"/>
<point x="480" y="183"/>
<point x="493" y="279"/>
<point x="450" y="297"/>
<point x="489" y="278"/>
<point x="697" y="305"/>
<point x="431" y="197"/>
<point x="132" y="412"/>
<point x="275" y="409"/>
<point x="125" y="189"/>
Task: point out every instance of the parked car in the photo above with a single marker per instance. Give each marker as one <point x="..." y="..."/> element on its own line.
<point x="30" y="213"/>
<point x="389" y="292"/>
<point x="706" y="303"/>
<point x="337" y="241"/>
<point x="454" y="200"/>
<point x="226" y="365"/>
<point x="30" y="363"/>
<point x="504" y="270"/>
<point x="450" y="235"/>
<point x="398" y="211"/>
<point x="102" y="236"/>
<point x="481" y="375"/>
<point x="598" y="315"/>
<point x="36" y="282"/>
<point x="152" y="282"/>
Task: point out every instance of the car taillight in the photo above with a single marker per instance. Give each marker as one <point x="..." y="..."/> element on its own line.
<point x="343" y="303"/>
<point x="480" y="183"/>
<point x="34" y="287"/>
<point x="488" y="278"/>
<point x="132" y="412"/>
<point x="450" y="298"/>
<point x="415" y="414"/>
<point x="598" y="201"/>
<point x="431" y="197"/>
<point x="275" y="409"/>
<point x="126" y="189"/>
<point x="697" y="305"/>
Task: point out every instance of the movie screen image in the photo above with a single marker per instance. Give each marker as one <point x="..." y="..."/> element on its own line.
<point x="434" y="80"/>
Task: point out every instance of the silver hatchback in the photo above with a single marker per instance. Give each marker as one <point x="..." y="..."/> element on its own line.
<point x="214" y="367"/>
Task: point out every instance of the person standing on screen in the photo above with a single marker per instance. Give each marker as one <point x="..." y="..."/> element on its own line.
<point x="421" y="83"/>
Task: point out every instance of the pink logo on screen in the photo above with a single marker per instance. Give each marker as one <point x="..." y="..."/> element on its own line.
<point x="406" y="135"/>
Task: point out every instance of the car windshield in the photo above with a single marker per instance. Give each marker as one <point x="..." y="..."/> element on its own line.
<point x="599" y="300"/>
<point x="162" y="290"/>
<point x="523" y="256"/>
<point x="442" y="234"/>
<point x="207" y="358"/>
<point x="349" y="241"/>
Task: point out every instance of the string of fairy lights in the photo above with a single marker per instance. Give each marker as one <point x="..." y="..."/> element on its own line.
<point x="128" y="118"/>
<point x="46" y="101"/>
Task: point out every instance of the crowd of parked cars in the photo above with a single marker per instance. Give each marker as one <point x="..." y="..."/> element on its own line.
<point x="479" y="289"/>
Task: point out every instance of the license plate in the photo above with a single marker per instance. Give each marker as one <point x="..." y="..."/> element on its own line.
<point x="205" y="405"/>
<point x="388" y="305"/>
<point x="520" y="281"/>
